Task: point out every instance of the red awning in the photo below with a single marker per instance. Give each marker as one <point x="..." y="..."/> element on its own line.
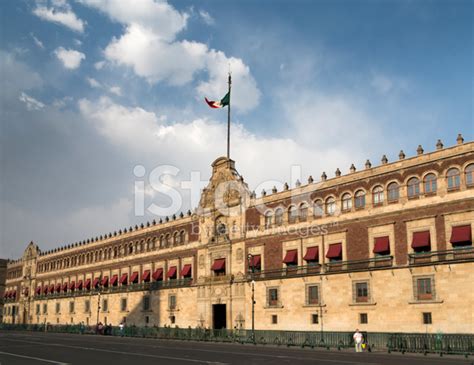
<point x="95" y="283"/>
<point x="58" y="287"/>
<point x="256" y="261"/>
<point x="186" y="270"/>
<point x="218" y="265"/>
<point x="291" y="257"/>
<point x="79" y="285"/>
<point x="134" y="277"/>
<point x="146" y="276"/>
<point x="105" y="281"/>
<point x="171" y="272"/>
<point x="114" y="280"/>
<point x="51" y="288"/>
<point x="158" y="274"/>
<point x="65" y="287"/>
<point x="382" y="245"/>
<point x="13" y="294"/>
<point x="334" y="251"/>
<point x="312" y="254"/>
<point x="72" y="285"/>
<point x="421" y="239"/>
<point x="123" y="279"/>
<point x="38" y="290"/>
<point x="87" y="285"/>
<point x="461" y="234"/>
<point x="45" y="289"/>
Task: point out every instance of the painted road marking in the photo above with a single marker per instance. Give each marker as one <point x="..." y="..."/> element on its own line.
<point x="33" y="358"/>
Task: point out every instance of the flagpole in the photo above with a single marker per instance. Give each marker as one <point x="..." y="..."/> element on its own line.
<point x="228" y="121"/>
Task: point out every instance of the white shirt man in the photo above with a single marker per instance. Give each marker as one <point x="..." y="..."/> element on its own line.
<point x="358" y="337"/>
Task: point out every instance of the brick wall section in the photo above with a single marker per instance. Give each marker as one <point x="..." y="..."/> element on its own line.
<point x="252" y="217"/>
<point x="357" y="242"/>
<point x="440" y="232"/>
<point x="272" y="254"/>
<point x="401" y="248"/>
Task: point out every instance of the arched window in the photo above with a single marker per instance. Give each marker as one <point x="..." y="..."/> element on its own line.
<point x="378" y="195"/>
<point x="393" y="192"/>
<point x="141" y="246"/>
<point x="318" y="208"/>
<point x="182" y="236"/>
<point x="268" y="219"/>
<point x="279" y="216"/>
<point x="115" y="252"/>
<point x="303" y="213"/>
<point x="167" y="239"/>
<point x="330" y="206"/>
<point x="130" y="248"/>
<point x="175" y="238"/>
<point x="469" y="172"/>
<point x="346" y="202"/>
<point x="360" y="199"/>
<point x="429" y="183"/>
<point x="453" y="177"/>
<point x="292" y="214"/>
<point x="413" y="187"/>
<point x="162" y="241"/>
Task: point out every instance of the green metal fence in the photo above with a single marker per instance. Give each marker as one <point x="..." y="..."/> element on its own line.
<point x="376" y="341"/>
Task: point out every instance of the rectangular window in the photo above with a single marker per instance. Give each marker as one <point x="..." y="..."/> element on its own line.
<point x="87" y="306"/>
<point x="172" y="302"/>
<point x="312" y="292"/>
<point x="314" y="318"/>
<point x="123" y="304"/>
<point x="71" y="307"/>
<point x="363" y="318"/>
<point x="274" y="319"/>
<point x="424" y="288"/>
<point x="105" y="305"/>
<point x="45" y="308"/>
<point x="427" y="318"/>
<point x="361" y="292"/>
<point x="146" y="303"/>
<point x="272" y="297"/>
<point x="58" y="308"/>
<point x="147" y="319"/>
<point x="38" y="309"/>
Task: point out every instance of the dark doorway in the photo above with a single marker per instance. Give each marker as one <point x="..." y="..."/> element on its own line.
<point x="219" y="316"/>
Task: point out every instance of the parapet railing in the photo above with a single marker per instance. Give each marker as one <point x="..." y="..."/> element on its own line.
<point x="463" y="253"/>
<point x="317" y="269"/>
<point x="376" y="341"/>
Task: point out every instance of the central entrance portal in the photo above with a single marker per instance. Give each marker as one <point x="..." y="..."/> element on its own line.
<point x="219" y="316"/>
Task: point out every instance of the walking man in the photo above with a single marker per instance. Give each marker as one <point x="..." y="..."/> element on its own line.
<point x="121" y="328"/>
<point x="358" y="340"/>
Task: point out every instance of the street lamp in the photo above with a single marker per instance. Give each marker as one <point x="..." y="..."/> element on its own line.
<point x="98" y="308"/>
<point x="252" y="268"/>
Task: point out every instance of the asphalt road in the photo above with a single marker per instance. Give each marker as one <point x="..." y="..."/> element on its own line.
<point x="54" y="348"/>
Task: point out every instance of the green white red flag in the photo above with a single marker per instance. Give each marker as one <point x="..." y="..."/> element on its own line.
<point x="219" y="104"/>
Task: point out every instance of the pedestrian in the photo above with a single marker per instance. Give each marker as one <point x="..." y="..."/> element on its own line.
<point x="358" y="338"/>
<point x="81" y="328"/>
<point x="121" y="328"/>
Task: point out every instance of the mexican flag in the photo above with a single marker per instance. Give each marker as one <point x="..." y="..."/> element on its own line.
<point x="219" y="104"/>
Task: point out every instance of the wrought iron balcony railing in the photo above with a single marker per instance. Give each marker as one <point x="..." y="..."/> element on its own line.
<point x="459" y="254"/>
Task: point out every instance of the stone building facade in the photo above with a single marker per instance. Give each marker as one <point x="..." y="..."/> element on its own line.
<point x="388" y="248"/>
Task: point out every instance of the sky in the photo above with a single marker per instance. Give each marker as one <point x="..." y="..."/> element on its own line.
<point x="92" y="89"/>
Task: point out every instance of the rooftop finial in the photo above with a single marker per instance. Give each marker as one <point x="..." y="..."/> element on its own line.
<point x="401" y="155"/>
<point x="439" y="145"/>
<point x="368" y="165"/>
<point x="298" y="183"/>
<point x="338" y="172"/>
<point x="384" y="160"/>
<point x="274" y="190"/>
<point x="310" y="179"/>
<point x="419" y="150"/>
<point x="324" y="176"/>
<point x="352" y="168"/>
<point x="460" y="140"/>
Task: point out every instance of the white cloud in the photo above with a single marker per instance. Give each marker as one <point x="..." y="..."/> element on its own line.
<point x="31" y="103"/>
<point x="70" y="58"/>
<point x="99" y="65"/>
<point x="149" y="47"/>
<point x="116" y="90"/>
<point x="93" y="82"/>
<point x="206" y="17"/>
<point x="61" y="13"/>
<point x="37" y="41"/>
<point x="385" y="84"/>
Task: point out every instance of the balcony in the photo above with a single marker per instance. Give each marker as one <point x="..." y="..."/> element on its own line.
<point x="460" y="254"/>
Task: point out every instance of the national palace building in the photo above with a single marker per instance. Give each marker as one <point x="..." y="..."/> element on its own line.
<point x="387" y="248"/>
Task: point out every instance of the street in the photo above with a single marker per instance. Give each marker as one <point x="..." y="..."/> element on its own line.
<point x="55" y="348"/>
